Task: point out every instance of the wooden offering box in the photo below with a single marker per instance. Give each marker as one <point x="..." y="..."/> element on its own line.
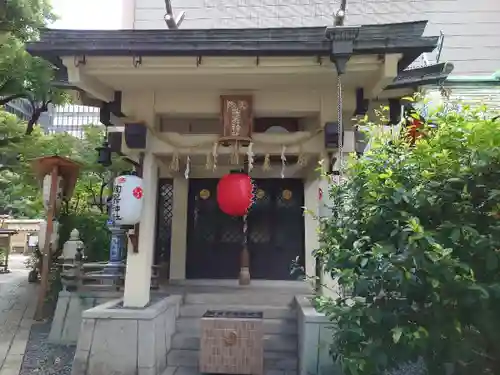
<point x="232" y="343"/>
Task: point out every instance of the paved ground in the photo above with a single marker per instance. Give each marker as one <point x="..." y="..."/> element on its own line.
<point x="17" y="306"/>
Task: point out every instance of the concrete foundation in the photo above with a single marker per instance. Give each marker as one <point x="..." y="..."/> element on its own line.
<point x="114" y="340"/>
<point x="315" y="337"/>
<point x="68" y="315"/>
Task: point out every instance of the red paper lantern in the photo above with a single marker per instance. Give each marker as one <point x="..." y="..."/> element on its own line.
<point x="235" y="194"/>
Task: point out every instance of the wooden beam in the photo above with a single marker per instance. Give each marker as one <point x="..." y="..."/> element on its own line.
<point x="386" y="74"/>
<point x="89" y="84"/>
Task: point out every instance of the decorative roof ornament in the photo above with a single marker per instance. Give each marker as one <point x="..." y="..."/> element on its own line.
<point x="339" y="17"/>
<point x="172" y="22"/>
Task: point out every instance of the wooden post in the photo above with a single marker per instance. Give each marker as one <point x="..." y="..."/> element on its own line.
<point x="244" y="277"/>
<point x="46" y="253"/>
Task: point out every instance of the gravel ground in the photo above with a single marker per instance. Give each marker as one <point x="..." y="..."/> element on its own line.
<point x="43" y="358"/>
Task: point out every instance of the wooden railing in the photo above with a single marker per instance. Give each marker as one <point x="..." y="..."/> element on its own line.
<point x="78" y="275"/>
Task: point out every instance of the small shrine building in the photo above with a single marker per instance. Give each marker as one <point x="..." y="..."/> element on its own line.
<point x="188" y="106"/>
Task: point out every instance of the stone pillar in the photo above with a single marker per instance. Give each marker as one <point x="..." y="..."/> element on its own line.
<point x="311" y="189"/>
<point x="138" y="273"/>
<point x="179" y="229"/>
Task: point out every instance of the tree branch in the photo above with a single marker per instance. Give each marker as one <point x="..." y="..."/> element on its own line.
<point x="7" y="99"/>
<point x="36" y="116"/>
<point x="101" y="192"/>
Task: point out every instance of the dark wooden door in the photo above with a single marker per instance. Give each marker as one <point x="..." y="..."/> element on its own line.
<point x="276" y="228"/>
<point x="275" y="231"/>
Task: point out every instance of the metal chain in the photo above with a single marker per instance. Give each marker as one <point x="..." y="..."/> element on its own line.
<point x="340" y="128"/>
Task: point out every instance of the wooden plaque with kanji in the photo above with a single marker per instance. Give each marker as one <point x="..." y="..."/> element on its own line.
<point x="237" y="116"/>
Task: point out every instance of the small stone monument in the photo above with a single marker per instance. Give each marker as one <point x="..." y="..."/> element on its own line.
<point x="71" y="246"/>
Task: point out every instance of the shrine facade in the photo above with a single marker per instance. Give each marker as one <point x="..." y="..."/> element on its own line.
<point x="188" y="106"/>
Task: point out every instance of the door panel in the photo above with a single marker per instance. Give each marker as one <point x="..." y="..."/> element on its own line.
<point x="275" y="231"/>
<point x="276" y="228"/>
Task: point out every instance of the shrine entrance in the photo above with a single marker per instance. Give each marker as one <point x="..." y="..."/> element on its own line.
<point x="275" y="231"/>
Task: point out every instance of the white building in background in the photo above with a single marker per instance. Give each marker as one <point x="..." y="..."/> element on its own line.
<point x="71" y="118"/>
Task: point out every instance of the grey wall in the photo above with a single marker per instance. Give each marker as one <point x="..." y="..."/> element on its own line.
<point x="471" y="27"/>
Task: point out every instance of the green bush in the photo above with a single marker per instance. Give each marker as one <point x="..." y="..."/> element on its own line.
<point x="93" y="231"/>
<point x="415" y="239"/>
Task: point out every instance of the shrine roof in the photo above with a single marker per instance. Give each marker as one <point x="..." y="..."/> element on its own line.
<point x="8" y="232"/>
<point x="406" y="38"/>
<point x="432" y="74"/>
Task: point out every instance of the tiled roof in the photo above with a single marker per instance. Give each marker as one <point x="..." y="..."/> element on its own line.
<point x="406" y="38"/>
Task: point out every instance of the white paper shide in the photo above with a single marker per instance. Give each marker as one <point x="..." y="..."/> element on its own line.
<point x="127" y="200"/>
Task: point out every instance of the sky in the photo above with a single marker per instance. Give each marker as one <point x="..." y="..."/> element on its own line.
<point x="87" y="14"/>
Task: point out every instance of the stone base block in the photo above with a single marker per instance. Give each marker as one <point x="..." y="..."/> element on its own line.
<point x="115" y="340"/>
<point x="68" y="315"/>
<point x="315" y="333"/>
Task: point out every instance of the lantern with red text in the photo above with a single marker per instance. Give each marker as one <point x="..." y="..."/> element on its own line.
<point x="235" y="194"/>
<point x="127" y="199"/>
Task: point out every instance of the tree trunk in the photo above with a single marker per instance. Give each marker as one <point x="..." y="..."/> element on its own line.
<point x="37" y="112"/>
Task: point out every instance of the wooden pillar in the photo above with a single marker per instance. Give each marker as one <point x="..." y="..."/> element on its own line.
<point x="46" y="253"/>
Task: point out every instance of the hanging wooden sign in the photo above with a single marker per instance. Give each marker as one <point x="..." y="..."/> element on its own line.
<point x="237" y="117"/>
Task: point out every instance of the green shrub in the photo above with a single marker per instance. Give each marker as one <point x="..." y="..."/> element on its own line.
<point x="415" y="239"/>
<point x="93" y="231"/>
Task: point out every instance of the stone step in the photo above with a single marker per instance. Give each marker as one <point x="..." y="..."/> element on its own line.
<point x="270" y="312"/>
<point x="285" y="326"/>
<point x="242" y="298"/>
<point x="272" y="342"/>
<point x="182" y="370"/>
<point x="272" y="360"/>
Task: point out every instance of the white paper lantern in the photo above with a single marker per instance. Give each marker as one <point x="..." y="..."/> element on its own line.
<point x="47" y="183"/>
<point x="43" y="231"/>
<point x="127" y="200"/>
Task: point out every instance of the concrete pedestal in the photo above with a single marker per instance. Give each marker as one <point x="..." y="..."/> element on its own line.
<point x="68" y="315"/>
<point x="315" y="340"/>
<point x="115" y="340"/>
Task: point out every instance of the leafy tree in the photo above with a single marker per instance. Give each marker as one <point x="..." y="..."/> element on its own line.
<point x="22" y="75"/>
<point x="414" y="244"/>
<point x="23" y="18"/>
<point x="22" y="195"/>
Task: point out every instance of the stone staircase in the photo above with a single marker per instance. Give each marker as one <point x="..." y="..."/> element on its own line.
<point x="280" y="327"/>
